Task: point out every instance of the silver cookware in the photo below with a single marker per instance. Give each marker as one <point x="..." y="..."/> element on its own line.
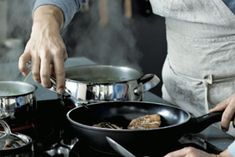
<point x="14" y="144"/>
<point x="17" y="99"/>
<point x="119" y="148"/>
<point x="92" y="83"/>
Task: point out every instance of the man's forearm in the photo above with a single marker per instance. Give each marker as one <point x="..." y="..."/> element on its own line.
<point x="49" y="14"/>
<point x="67" y="7"/>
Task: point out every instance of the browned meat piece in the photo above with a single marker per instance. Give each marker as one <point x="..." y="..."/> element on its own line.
<point x="146" y="122"/>
<point x="107" y="125"/>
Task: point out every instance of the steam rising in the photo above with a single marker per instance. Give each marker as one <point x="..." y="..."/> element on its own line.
<point x="112" y="44"/>
<point x="16" y="15"/>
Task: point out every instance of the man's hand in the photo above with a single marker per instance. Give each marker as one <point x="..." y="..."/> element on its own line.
<point x="228" y="105"/>
<point x="45" y="49"/>
<point x="193" y="152"/>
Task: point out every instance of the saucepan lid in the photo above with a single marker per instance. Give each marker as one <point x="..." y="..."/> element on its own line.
<point x="12" y="142"/>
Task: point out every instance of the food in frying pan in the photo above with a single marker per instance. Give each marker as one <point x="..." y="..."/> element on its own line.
<point x="107" y="125"/>
<point x="145" y="122"/>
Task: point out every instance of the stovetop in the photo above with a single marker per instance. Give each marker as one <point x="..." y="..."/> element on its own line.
<point x="52" y="135"/>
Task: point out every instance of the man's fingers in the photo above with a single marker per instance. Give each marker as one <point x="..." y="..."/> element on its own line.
<point x="224" y="120"/>
<point x="220" y="107"/>
<point x="24" y="59"/>
<point x="36" y="68"/>
<point x="59" y="72"/>
<point x="228" y="108"/>
<point x="45" y="71"/>
<point x="228" y="116"/>
<point x="180" y="153"/>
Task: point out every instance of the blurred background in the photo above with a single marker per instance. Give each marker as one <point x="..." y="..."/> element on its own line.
<point x="116" y="32"/>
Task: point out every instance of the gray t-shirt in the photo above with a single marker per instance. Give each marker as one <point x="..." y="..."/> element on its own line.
<point x="68" y="7"/>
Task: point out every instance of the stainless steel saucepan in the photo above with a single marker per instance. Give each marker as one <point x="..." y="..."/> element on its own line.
<point x="17" y="99"/>
<point x="92" y="83"/>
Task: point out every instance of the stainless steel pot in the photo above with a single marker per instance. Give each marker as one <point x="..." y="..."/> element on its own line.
<point x="94" y="83"/>
<point x="14" y="144"/>
<point x="17" y="99"/>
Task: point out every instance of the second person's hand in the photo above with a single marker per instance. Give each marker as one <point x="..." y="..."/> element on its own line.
<point x="193" y="152"/>
<point x="45" y="49"/>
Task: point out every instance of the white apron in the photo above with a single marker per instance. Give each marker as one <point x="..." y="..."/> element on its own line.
<point x="199" y="70"/>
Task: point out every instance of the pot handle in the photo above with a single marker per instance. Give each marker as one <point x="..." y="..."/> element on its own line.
<point x="198" y="124"/>
<point x="6" y="127"/>
<point x="67" y="94"/>
<point x="148" y="81"/>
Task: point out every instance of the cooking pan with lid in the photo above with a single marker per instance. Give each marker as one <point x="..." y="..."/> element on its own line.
<point x="175" y="123"/>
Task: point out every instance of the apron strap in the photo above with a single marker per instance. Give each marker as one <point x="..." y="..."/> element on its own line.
<point x="208" y="80"/>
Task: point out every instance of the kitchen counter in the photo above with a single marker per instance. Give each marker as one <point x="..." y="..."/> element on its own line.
<point x="213" y="135"/>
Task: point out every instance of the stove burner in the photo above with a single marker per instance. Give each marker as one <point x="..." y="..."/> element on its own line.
<point x="62" y="148"/>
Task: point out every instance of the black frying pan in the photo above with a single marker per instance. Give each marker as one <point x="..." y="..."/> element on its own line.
<point x="175" y="123"/>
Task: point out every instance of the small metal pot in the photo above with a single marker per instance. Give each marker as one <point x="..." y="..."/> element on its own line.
<point x="17" y="100"/>
<point x="94" y="83"/>
<point x="14" y="144"/>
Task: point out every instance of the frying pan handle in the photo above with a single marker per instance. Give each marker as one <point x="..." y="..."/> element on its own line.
<point x="198" y="124"/>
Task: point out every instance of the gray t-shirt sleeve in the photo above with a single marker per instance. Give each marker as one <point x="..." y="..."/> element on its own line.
<point x="68" y="7"/>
